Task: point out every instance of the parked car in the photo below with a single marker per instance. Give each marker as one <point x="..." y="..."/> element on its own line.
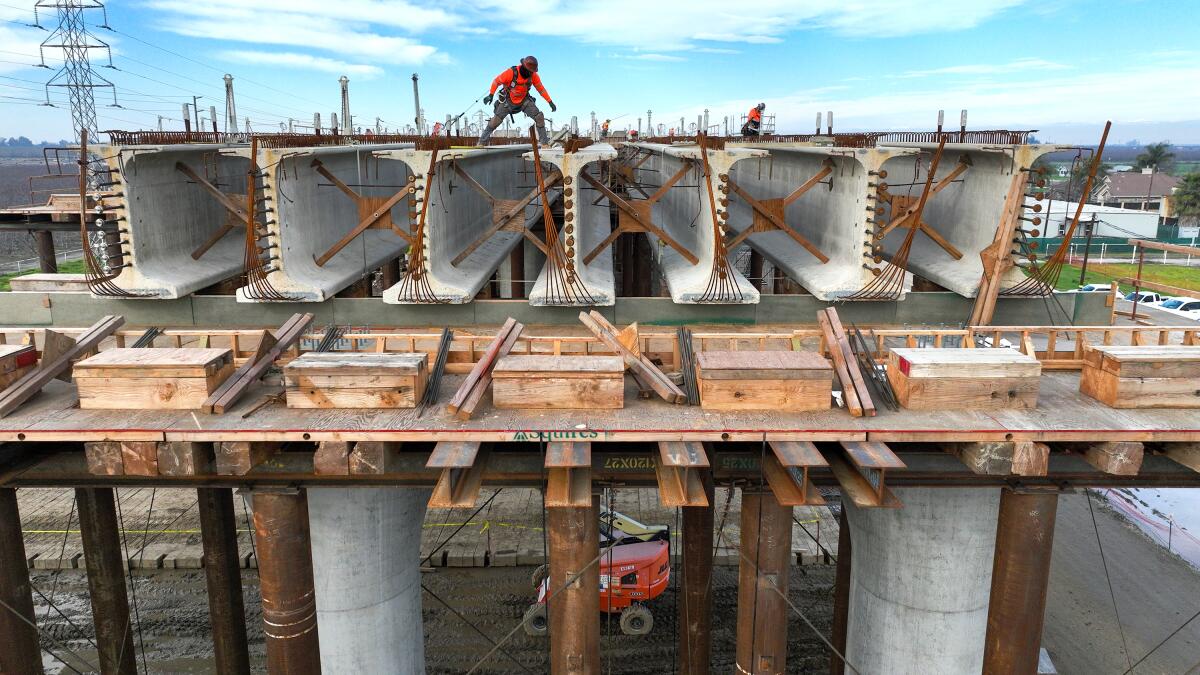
<point x="1089" y="288"/>
<point x="1175" y="302"/>
<point x="1189" y="307"/>
<point x="1144" y="297"/>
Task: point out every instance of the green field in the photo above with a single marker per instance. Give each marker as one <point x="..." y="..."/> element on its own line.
<point x="1171" y="275"/>
<point x="68" y="267"/>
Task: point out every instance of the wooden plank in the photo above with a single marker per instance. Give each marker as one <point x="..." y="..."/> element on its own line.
<point x="849" y="390"/>
<point x="559" y="393"/>
<point x="238" y="458"/>
<point x="1143" y="285"/>
<point x="542" y="365"/>
<point x="655" y="377"/>
<point x="184" y="458"/>
<point x="962" y="393"/>
<point x="852" y="367"/>
<point x="1163" y="246"/>
<point x="148" y="393"/>
<point x="453" y="455"/>
<point x="682" y="453"/>
<point x="805" y="364"/>
<point x="966" y="363"/>
<point x="568" y="454"/>
<point x="1139" y="392"/>
<point x="250" y="371"/>
<point x="469" y="393"/>
<point x="779" y="395"/>
<point x="332" y="458"/>
<point x="20" y="391"/>
<point x="358" y="364"/>
<point x="154" y="362"/>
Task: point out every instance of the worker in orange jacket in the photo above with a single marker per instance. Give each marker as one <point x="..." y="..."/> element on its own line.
<point x="753" y="125"/>
<point x="514" y="97"/>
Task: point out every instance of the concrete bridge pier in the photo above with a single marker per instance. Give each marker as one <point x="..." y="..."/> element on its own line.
<point x="920" y="581"/>
<point x="366" y="567"/>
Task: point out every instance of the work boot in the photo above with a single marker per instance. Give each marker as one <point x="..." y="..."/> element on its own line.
<point x="485" y="136"/>
<point x="543" y="137"/>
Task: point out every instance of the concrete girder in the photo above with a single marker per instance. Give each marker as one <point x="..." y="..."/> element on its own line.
<point x="965" y="212"/>
<point x="461" y="218"/>
<point x="685" y="214"/>
<point x="306" y="214"/>
<point x="826" y="196"/>
<point x="164" y="215"/>
<point x="586" y="223"/>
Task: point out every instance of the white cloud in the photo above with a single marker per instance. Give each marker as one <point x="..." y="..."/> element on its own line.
<point x="987" y="69"/>
<point x="307" y="61"/>
<point x="650" y="56"/>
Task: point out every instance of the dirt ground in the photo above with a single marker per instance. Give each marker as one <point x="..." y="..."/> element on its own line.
<point x="175" y="633"/>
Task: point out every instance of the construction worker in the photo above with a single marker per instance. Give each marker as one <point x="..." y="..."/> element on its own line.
<point x="604" y="129"/>
<point x="753" y="125"/>
<point x="437" y="129"/>
<point x="514" y="97"/>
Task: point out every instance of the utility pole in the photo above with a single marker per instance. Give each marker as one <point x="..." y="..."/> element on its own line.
<point x="76" y="74"/>
<point x="417" y="105"/>
<point x="1087" y="247"/>
<point x="196" y="111"/>
<point x="347" y="127"/>
<point x="705" y="129"/>
<point x="230" y="106"/>
<point x="187" y="119"/>
<point x="378" y="126"/>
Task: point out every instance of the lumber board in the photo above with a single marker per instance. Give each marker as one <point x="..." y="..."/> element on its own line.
<point x="963" y="363"/>
<point x="606" y="333"/>
<point x="960" y="393"/>
<point x="148" y="393"/>
<point x="470" y="392"/>
<point x="374" y="457"/>
<point x="184" y="458"/>
<point x="1139" y="392"/>
<point x="769" y="365"/>
<point x="238" y="458"/>
<point x="525" y="365"/>
<point x="155" y="362"/>
<point x="250" y="371"/>
<point x="778" y="395"/>
<point x="849" y="390"/>
<point x="852" y="367"/>
<point x="558" y="393"/>
<point x="55" y="344"/>
<point x="21" y="390"/>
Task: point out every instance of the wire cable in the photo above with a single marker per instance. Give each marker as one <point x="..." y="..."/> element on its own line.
<point x="1108" y="579"/>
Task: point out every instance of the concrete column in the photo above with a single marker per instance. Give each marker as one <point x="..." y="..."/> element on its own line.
<point x="223" y="574"/>
<point x="920" y="581"/>
<point x="106" y="568"/>
<point x="1021" y="573"/>
<point x="20" y="654"/>
<point x="366" y="567"/>
<point x="285" y="574"/>
<point x="766" y="556"/>
<point x="574" y="612"/>
<point x="695" y="606"/>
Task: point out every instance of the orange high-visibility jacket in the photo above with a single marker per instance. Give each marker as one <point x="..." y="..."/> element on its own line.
<point x="518" y="87"/>
<point x="755" y="115"/>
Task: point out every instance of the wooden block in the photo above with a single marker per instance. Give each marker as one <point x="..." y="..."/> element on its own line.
<point x="963" y="363"/>
<point x="1117" y="391"/>
<point x="774" y="380"/>
<point x="237" y="458"/>
<point x="104" y="458"/>
<point x="1030" y="458"/>
<point x="1187" y="454"/>
<point x="50" y="283"/>
<point x="356" y="380"/>
<point x="332" y="458"/>
<point x="558" y="382"/>
<point x="140" y="458"/>
<point x="16" y="357"/>
<point x="951" y="393"/>
<point x="1146" y="360"/>
<point x="151" y="378"/>
<point x="373" y="457"/>
<point x="184" y="458"/>
<point x="1119" y="458"/>
<point x="54" y="345"/>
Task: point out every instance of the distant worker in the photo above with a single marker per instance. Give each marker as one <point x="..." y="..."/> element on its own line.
<point x="631" y="135"/>
<point x="437" y="129"/>
<point x="514" y="97"/>
<point x="753" y="125"/>
<point x="604" y="129"/>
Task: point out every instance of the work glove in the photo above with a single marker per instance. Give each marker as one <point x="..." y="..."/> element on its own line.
<point x="487" y="100"/>
<point x="553" y="108"/>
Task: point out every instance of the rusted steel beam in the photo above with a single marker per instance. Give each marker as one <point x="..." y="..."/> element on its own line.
<point x="1020" y="575"/>
<point x="222" y="571"/>
<point x="285" y="574"/>
<point x="106" y="568"/>
<point x="762" y="616"/>
<point x="20" y="653"/>
<point x="841" y="596"/>
<point x="695" y="609"/>
<point x="574" y="612"/>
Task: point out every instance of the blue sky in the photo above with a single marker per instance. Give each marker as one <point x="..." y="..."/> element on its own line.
<point x="1063" y="66"/>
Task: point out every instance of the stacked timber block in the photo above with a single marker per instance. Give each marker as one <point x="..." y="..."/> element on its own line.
<point x="562" y="382"/>
<point x="790" y="381"/>
<point x="957" y="379"/>
<point x="15" y="361"/>
<point x="1150" y="376"/>
<point x="356" y="380"/>
<point x="168" y="378"/>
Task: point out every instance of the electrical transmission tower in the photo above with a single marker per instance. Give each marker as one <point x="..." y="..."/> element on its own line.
<point x="76" y="74"/>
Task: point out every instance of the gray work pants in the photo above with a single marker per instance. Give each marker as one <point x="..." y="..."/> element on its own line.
<point x="504" y="109"/>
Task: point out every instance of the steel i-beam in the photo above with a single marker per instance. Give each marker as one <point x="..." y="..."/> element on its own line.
<point x="809" y="210"/>
<point x="477" y="206"/>
<point x="961" y="213"/>
<point x="332" y="215"/>
<point x="586" y="226"/>
<point x="180" y="215"/>
<point x="687" y="224"/>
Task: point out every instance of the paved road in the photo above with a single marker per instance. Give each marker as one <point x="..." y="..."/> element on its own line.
<point x="1155" y="593"/>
